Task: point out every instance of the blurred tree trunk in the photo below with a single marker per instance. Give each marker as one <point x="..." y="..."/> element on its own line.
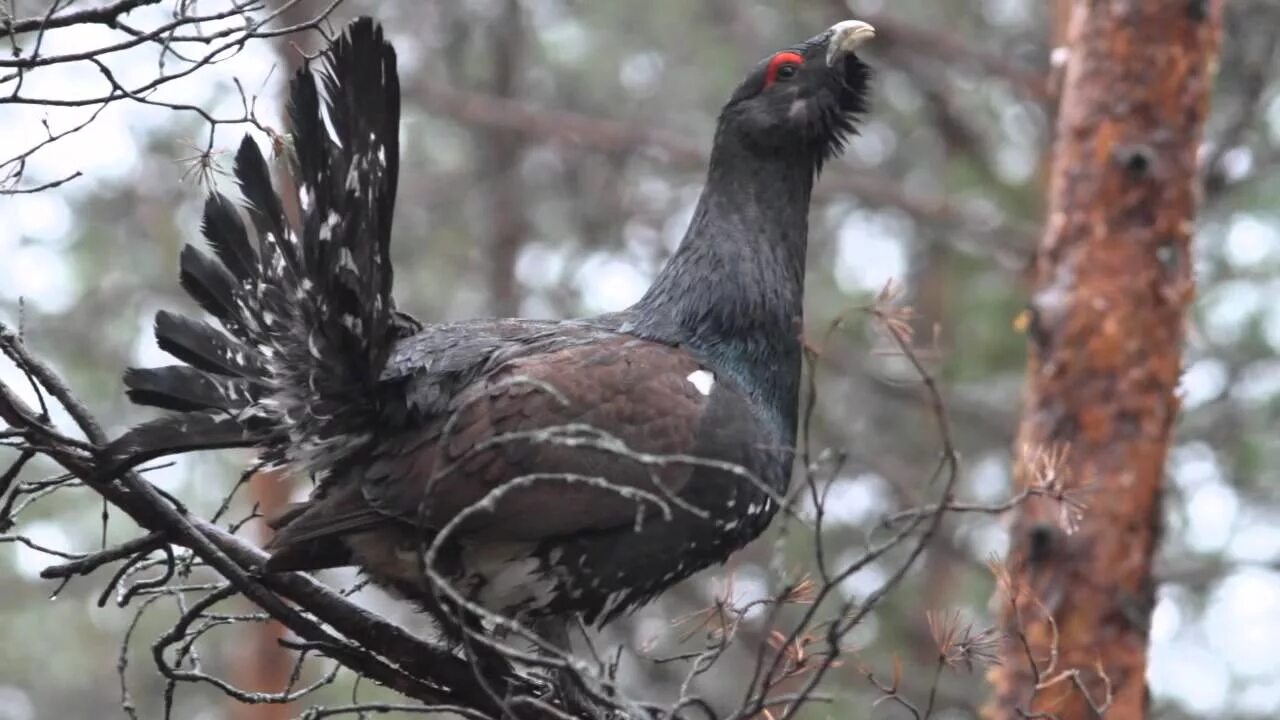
<point x="500" y="152"/>
<point x="261" y="664"/>
<point x="1061" y="18"/>
<point x="1059" y="29"/>
<point x="1113" y="283"/>
<point x="941" y="569"/>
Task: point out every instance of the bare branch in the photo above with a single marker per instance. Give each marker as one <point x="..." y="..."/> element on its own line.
<point x="104" y="15"/>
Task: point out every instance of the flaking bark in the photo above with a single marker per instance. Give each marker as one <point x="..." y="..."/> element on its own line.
<point x="1107" y="318"/>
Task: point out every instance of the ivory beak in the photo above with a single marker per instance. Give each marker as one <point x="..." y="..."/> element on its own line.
<point x="845" y="36"/>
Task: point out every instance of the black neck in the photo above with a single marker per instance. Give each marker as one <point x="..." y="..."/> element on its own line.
<point x="733" y="291"/>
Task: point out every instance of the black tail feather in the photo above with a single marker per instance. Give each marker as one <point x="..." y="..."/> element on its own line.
<point x="182" y="432"/>
<point x="211" y="285"/>
<point x="276" y="241"/>
<point x="185" y="389"/>
<point x="307" y="316"/>
<point x="227" y="236"/>
<point x="204" y="347"/>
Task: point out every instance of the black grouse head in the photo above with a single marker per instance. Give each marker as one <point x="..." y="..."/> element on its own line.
<point x="802" y="99"/>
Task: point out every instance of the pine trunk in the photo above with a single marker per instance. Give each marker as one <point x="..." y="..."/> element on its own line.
<point x="1113" y="284"/>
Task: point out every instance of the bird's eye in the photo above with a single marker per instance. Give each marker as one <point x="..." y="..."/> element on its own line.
<point x="783" y="66"/>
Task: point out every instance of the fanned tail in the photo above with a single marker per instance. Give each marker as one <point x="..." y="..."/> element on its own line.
<point x="306" y="315"/>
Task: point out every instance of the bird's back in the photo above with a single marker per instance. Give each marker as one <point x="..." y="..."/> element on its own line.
<point x="564" y="466"/>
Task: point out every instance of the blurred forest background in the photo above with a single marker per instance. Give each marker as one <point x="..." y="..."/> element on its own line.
<point x="553" y="150"/>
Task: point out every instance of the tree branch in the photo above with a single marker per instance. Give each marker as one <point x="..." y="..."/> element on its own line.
<point x="1012" y="244"/>
<point x="104" y="15"/>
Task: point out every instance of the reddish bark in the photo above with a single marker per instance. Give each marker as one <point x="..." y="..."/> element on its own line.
<point x="260" y="663"/>
<point x="1113" y="283"/>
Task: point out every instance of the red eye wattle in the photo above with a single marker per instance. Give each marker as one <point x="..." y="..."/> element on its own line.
<point x="782" y="66"/>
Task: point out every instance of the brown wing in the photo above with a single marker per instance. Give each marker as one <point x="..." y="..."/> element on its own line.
<point x="514" y="429"/>
<point x="535" y="438"/>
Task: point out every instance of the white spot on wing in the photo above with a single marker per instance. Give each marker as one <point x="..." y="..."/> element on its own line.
<point x="702" y="380"/>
